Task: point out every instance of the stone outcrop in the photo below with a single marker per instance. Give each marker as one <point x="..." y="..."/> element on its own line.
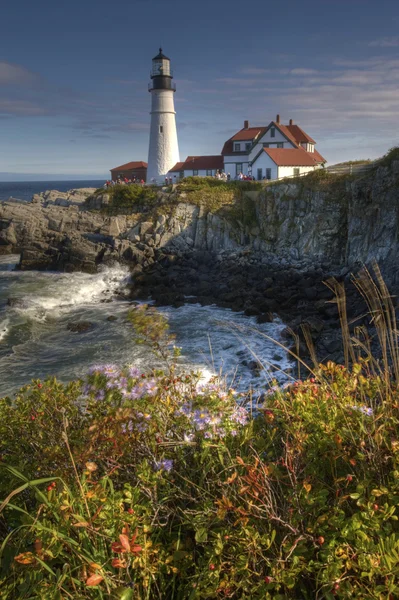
<point x="71" y="197"/>
<point x="301" y="225"/>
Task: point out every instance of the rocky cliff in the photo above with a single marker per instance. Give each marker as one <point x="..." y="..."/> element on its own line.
<point x="341" y="221"/>
<point x="267" y="252"/>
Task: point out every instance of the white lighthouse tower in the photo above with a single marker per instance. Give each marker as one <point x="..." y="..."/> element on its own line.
<point x="163" y="152"/>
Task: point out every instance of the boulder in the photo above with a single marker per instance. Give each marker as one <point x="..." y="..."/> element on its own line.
<point x="80" y="326"/>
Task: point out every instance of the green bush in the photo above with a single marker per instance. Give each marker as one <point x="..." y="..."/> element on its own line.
<point x="132" y="198"/>
<point x="389" y="157"/>
<point x="172" y="488"/>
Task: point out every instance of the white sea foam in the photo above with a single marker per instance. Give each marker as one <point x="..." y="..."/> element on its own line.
<point x="61" y="293"/>
<point x="4" y="328"/>
<point x="220" y="342"/>
<point x="36" y="340"/>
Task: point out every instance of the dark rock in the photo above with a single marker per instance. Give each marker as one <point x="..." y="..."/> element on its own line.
<point x="265" y="318"/>
<point x="315" y="324"/>
<point x="112" y="318"/>
<point x="16" y="302"/>
<point x="310" y="293"/>
<point x="80" y="326"/>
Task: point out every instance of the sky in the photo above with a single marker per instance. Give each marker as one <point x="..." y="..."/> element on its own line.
<point x="73" y="77"/>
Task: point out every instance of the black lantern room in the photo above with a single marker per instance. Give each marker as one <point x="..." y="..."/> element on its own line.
<point x="161" y="73"/>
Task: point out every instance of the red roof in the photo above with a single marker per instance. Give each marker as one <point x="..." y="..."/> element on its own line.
<point x="299" y="134"/>
<point x="178" y="167"/>
<point x="248" y="134"/>
<point x="131" y="165"/>
<point x="291" y="157"/>
<point x="285" y="131"/>
<point x="202" y="162"/>
<point x="318" y="157"/>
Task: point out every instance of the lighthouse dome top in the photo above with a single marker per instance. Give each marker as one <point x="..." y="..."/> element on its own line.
<point x="161" y="71"/>
<point x="161" y="56"/>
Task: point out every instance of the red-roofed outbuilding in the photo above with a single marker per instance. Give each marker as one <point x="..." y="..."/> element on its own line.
<point x="136" y="169"/>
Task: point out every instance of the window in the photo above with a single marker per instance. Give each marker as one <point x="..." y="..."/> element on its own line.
<point x="296" y="171"/>
<point x="195" y="172"/>
<point x="272" y="132"/>
<point x="280" y="145"/>
<point x="259" y="174"/>
<point x="209" y="172"/>
<point x="268" y="173"/>
<point x="181" y="174"/>
<point x="160" y="129"/>
<point x="248" y="146"/>
<point x="238" y="168"/>
<point x="266" y="145"/>
<point x="237" y="147"/>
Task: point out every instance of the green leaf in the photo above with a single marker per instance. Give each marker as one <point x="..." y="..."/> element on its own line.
<point x="123" y="593"/>
<point x="201" y="535"/>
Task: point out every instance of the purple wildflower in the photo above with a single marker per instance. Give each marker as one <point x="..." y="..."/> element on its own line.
<point x="166" y="465"/>
<point x="128" y="427"/>
<point x="141" y="427"/>
<point x="365" y="410"/>
<point x="150" y="387"/>
<point x="200" y="419"/>
<point x="136" y="393"/>
<point x="239" y="415"/>
<point x="221" y="433"/>
<point x="133" y="372"/>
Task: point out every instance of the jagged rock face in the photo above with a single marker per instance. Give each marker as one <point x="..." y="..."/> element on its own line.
<point x="345" y="223"/>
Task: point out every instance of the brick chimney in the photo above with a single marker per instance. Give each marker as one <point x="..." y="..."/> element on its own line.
<point x="291" y="122"/>
<point x="246" y="124"/>
<point x="277" y="118"/>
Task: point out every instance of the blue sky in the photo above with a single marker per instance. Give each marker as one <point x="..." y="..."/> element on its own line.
<point x="73" y="77"/>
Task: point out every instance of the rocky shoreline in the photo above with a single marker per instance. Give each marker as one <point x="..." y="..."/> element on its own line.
<point x="184" y="253"/>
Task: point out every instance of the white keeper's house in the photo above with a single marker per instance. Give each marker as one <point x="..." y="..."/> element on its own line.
<point x="271" y="152"/>
<point x="265" y="152"/>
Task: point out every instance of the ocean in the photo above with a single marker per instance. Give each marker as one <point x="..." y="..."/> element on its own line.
<point x="24" y="190"/>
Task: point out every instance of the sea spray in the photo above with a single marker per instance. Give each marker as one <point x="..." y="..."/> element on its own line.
<point x="37" y="341"/>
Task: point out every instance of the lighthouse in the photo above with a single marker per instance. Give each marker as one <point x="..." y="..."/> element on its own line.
<point x="163" y="152"/>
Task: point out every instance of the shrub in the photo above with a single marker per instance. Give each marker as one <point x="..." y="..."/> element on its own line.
<point x="389" y="157"/>
<point x="130" y="198"/>
<point x="176" y="490"/>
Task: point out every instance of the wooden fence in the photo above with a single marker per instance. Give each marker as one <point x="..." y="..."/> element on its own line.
<point x="350" y="168"/>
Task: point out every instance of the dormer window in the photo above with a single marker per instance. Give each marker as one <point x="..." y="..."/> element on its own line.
<point x="272" y="132"/>
<point x="237" y="147"/>
<point x="248" y="146"/>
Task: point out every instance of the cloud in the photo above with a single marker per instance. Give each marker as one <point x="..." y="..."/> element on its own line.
<point x="385" y="42"/>
<point x="300" y="71"/>
<point x="22" y="108"/>
<point x="253" y="71"/>
<point x="16" y="75"/>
